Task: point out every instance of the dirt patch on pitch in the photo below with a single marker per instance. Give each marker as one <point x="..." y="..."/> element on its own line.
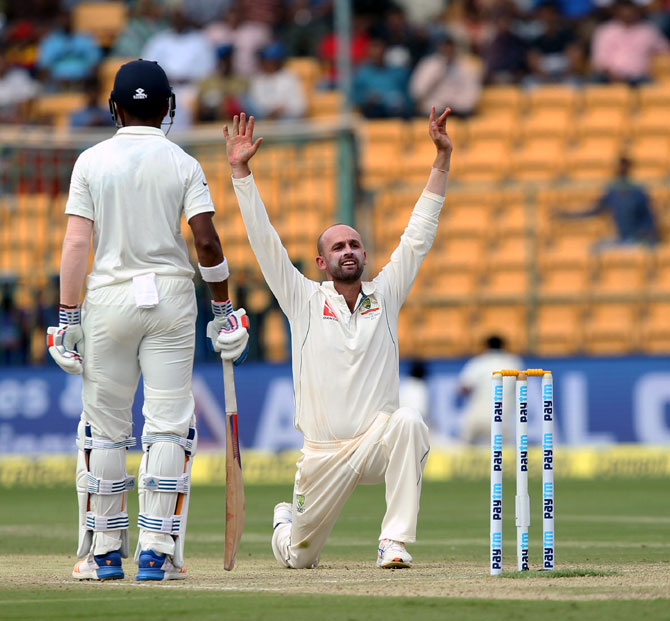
<point x="642" y="581"/>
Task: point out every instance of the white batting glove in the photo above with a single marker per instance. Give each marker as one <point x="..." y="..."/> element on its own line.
<point x="229" y="332"/>
<point x="66" y="342"/>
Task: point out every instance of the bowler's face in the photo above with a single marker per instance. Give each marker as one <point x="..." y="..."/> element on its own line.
<point x="344" y="257"/>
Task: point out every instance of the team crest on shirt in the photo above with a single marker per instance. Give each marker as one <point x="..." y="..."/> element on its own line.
<point x="328" y="312"/>
<point x="369" y="307"/>
<point x="300" y="502"/>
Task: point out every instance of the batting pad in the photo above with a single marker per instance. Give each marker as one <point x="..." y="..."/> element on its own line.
<point x="102" y="487"/>
<point x="164" y="486"/>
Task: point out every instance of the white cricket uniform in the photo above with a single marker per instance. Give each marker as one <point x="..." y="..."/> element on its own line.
<point x="476" y="377"/>
<point x="346" y="382"/>
<point x="135" y="188"/>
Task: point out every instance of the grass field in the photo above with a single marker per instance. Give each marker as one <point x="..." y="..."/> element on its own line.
<point x="613" y="557"/>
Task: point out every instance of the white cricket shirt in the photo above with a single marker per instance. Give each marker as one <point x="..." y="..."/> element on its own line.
<point x="345" y="365"/>
<point x="135" y="187"/>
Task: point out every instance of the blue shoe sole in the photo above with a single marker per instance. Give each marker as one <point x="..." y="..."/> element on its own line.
<point x="147" y="573"/>
<point x="110" y="573"/>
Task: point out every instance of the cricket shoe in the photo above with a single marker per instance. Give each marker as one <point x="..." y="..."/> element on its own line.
<point x="283" y="514"/>
<point x="392" y="555"/>
<point x="154" y="566"/>
<point x="99" y="567"/>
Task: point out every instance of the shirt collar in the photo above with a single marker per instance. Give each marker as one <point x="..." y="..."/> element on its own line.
<point x="367" y="288"/>
<point x="141" y="130"/>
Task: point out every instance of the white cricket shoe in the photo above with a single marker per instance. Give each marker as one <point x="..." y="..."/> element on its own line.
<point x="392" y="555"/>
<point x="283" y="514"/>
<point x="99" y="567"/>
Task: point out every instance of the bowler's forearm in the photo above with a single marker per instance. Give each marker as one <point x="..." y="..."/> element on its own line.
<point x="240" y="170"/>
<point x="437" y="181"/>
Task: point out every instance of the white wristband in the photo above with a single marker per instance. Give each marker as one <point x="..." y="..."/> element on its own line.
<point x="216" y="273"/>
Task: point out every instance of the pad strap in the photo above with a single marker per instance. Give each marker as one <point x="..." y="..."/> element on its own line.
<point x="187" y="443"/>
<point x="108" y="486"/>
<point x="170" y="526"/>
<point x="94" y="443"/>
<point x="100" y="523"/>
<point x="178" y="484"/>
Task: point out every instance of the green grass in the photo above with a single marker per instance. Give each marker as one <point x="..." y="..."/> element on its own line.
<point x="602" y="528"/>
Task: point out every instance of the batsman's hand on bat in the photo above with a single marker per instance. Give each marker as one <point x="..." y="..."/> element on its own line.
<point x="240" y="146"/>
<point x="229" y="332"/>
<point x="66" y="342"/>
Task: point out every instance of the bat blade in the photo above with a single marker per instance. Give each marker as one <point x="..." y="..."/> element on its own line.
<point x="235" y="505"/>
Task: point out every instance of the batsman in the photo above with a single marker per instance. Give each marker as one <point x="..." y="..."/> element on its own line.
<point x="129" y="194"/>
<point x="344" y="339"/>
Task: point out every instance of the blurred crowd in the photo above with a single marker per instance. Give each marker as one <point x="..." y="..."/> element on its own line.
<point x="223" y="56"/>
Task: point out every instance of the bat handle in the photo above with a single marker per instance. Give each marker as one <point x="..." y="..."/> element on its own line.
<point x="229" y="386"/>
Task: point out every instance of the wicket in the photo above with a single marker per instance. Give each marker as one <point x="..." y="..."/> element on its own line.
<point x="522" y="509"/>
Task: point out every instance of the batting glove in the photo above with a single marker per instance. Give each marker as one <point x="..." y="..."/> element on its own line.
<point x="229" y="332"/>
<point x="66" y="342"/>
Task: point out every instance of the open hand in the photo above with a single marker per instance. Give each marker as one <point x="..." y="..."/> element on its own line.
<point x="240" y="147"/>
<point x="437" y="128"/>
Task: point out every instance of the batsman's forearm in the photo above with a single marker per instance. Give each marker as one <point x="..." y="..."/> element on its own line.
<point x="437" y="181"/>
<point x="74" y="259"/>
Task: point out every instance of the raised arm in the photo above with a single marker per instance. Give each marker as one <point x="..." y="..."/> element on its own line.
<point x="287" y="284"/>
<point x="437" y="129"/>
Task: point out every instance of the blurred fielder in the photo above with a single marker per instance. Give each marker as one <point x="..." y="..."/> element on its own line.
<point x="345" y="365"/>
<point x="138" y="317"/>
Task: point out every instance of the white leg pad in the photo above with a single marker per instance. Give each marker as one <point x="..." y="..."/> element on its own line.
<point x="102" y="487"/>
<point x="164" y="491"/>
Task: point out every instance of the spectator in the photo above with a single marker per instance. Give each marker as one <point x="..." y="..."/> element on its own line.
<point x="623" y="47"/>
<point x="187" y="57"/>
<point x="20" y="45"/>
<point x="380" y="89"/>
<point x="475" y="385"/>
<point x="220" y="95"/>
<point x="185" y="53"/>
<point x="275" y="92"/>
<point x="504" y="56"/>
<point x="444" y="79"/>
<point x="574" y="9"/>
<point x="92" y="114"/>
<point x="17" y="89"/>
<point x="14" y="335"/>
<point x="406" y="45"/>
<point x="554" y="55"/>
<point x="470" y="29"/>
<point x="307" y="22"/>
<point x="358" y="48"/>
<point x="146" y="20"/>
<point x="629" y="205"/>
<point x="67" y="58"/>
<point x="247" y="38"/>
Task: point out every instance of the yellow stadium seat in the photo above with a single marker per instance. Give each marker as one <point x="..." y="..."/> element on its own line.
<point x="654" y="95"/>
<point x="596" y="122"/>
<point x="57" y="107"/>
<point x="487" y="162"/>
<point x="561" y="282"/>
<point x="394" y="131"/>
<point x="274" y="337"/>
<point x="656" y="328"/>
<point x="497" y="98"/>
<point x="650" y="156"/>
<point x="593" y="159"/>
<point x="620" y="280"/>
<point x="608" y="96"/>
<point x="508" y="251"/>
<point x="660" y="67"/>
<point x="504" y="284"/>
<point x="308" y="70"/>
<point x="559" y="330"/>
<point x="512" y="219"/>
<point x="508" y="321"/>
<point x="324" y="103"/>
<point x="561" y="96"/>
<point x="107" y="72"/>
<point x="491" y="128"/>
<point x="540" y="159"/>
<point x="103" y="20"/>
<point x="547" y="123"/>
<point x="612" y="328"/>
<point x="443" y="332"/>
<point x="650" y="122"/>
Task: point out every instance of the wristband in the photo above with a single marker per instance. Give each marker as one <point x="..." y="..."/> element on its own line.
<point x="440" y="169"/>
<point x="68" y="316"/>
<point x="215" y="273"/>
<point x="222" y="309"/>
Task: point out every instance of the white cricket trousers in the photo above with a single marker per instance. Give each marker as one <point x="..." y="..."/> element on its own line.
<point x="121" y="341"/>
<point x="394" y="450"/>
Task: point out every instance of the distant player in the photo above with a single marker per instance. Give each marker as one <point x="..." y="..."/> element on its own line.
<point x="138" y="317"/>
<point x="344" y="335"/>
<point x="475" y="384"/>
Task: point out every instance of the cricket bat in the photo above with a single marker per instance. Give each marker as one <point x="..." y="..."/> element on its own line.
<point x="235" y="508"/>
